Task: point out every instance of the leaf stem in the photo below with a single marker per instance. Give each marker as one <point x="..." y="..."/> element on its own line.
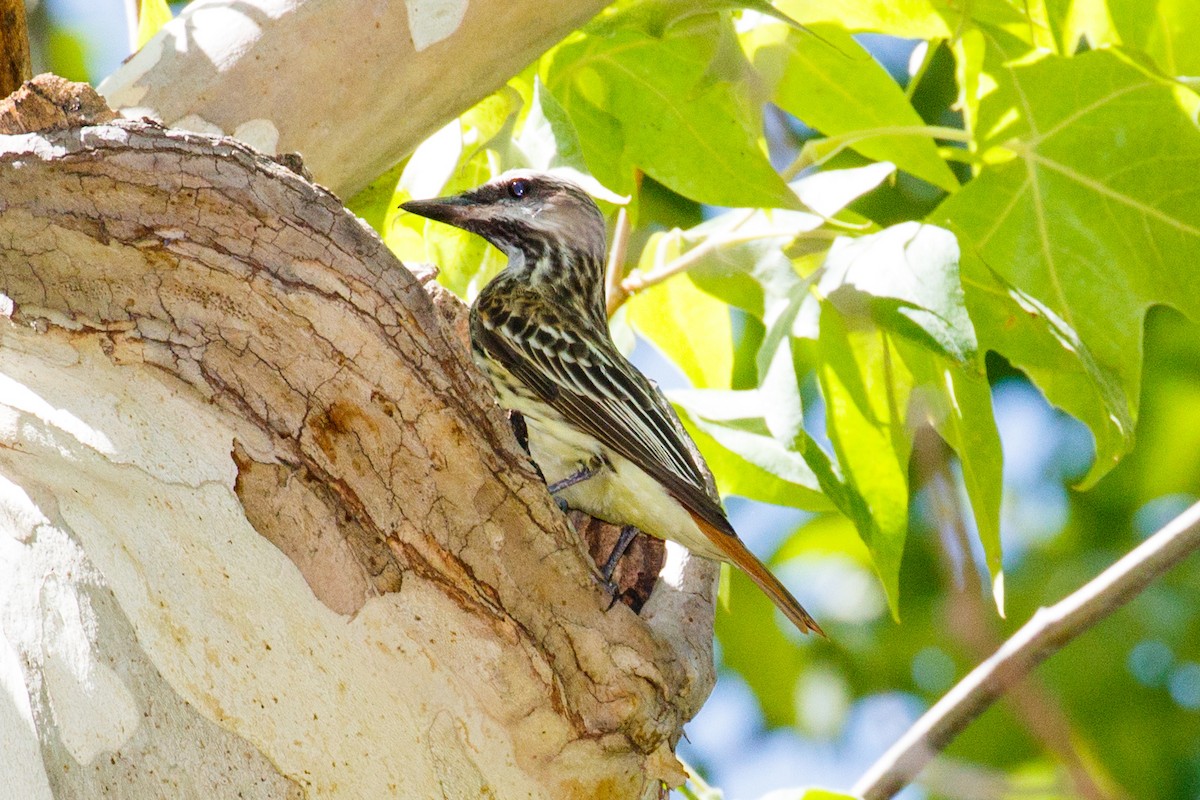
<point x="837" y="144"/>
<point x="1045" y="634"/>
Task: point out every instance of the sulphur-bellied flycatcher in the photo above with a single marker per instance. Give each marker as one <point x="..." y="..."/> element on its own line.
<point x="604" y="437"/>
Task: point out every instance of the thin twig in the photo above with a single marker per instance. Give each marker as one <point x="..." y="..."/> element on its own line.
<point x="1046" y="633"/>
<point x="615" y="269"/>
<point x="637" y="282"/>
<point x="970" y="620"/>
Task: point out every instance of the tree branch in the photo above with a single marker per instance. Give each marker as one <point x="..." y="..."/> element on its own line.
<point x="392" y="75"/>
<point x="1047" y="632"/>
<point x="971" y="620"/>
<point x="285" y="527"/>
<point x="614" y="293"/>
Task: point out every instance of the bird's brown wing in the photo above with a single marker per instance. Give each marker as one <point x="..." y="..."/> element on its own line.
<point x="586" y="380"/>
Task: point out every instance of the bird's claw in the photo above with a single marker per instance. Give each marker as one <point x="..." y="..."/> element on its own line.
<point x="611" y="589"/>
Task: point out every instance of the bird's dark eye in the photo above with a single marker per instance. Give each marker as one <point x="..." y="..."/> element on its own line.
<point x="518" y="187"/>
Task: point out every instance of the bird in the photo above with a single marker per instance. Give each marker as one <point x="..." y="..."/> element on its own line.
<point x="605" y="438"/>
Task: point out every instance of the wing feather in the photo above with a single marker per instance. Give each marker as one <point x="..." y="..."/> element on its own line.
<point x="599" y="391"/>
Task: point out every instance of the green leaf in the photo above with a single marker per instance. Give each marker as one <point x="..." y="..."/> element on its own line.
<point x="547" y="139"/>
<point x="906" y="278"/>
<point x="744" y="262"/>
<point x="690" y="327"/>
<point x="866" y="387"/>
<point x="730" y="429"/>
<point x="1033" y="336"/>
<point x="969" y="50"/>
<point x="843" y="92"/>
<point x="957" y="402"/>
<point x="656" y="16"/>
<point x="1089" y="217"/>
<point x="829" y="191"/>
<point x="928" y="19"/>
<point x="152" y="15"/>
<point x="1165" y="30"/>
<point x="912" y="19"/>
<point x="640" y="102"/>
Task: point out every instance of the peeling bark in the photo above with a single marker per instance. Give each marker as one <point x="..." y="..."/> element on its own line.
<point x="261" y="522"/>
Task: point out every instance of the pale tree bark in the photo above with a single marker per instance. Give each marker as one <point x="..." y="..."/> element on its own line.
<point x="352" y="85"/>
<point x="263" y="532"/>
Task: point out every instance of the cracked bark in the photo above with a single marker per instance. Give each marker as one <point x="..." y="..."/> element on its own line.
<point x="264" y="529"/>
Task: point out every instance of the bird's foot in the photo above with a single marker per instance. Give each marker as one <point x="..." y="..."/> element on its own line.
<point x="586" y="470"/>
<point x="628" y="534"/>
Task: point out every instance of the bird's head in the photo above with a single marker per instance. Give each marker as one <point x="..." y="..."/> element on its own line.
<point x="535" y="218"/>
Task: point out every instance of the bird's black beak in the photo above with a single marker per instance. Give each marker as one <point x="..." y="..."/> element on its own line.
<point x="459" y="210"/>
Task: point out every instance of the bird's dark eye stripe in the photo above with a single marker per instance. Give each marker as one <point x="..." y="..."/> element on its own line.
<point x="518" y="187"/>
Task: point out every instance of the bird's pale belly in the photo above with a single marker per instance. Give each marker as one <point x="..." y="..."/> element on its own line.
<point x="621" y="492"/>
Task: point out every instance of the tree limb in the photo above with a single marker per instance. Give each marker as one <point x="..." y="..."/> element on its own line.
<point x="262" y="526"/>
<point x="1047" y="632"/>
<point x="384" y="77"/>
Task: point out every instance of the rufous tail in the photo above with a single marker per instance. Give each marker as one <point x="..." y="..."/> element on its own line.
<point x="747" y="562"/>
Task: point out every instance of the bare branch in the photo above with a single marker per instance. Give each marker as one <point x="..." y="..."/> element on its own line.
<point x="972" y="622"/>
<point x="1041" y="637"/>
<point x="614" y="293"/>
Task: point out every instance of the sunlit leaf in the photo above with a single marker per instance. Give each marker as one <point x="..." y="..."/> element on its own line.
<point x="835" y="86"/>
<point x="957" y="402"/>
<point x="906" y="279"/>
<point x="1089" y="217"/>
<point x="914" y="19"/>
<point x="1165" y="30"/>
<point x="866" y="387"/>
<point x="657" y="15"/>
<point x="690" y="327"/>
<point x="152" y="15"/>
<point x="547" y="139"/>
<point x="641" y="102"/>
<point x="730" y="430"/>
<point x="829" y="191"/>
<point x="744" y="263"/>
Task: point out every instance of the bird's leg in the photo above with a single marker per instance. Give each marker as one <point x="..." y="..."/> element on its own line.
<point x="586" y="470"/>
<point x="628" y="532"/>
